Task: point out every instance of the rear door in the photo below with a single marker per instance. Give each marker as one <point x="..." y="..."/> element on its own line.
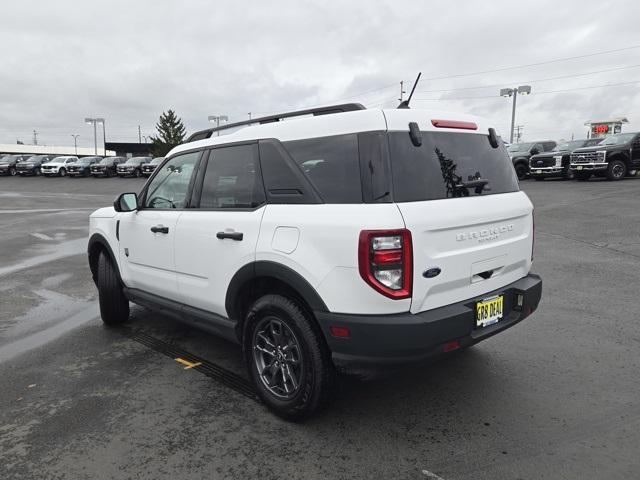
<point x="459" y="198"/>
<point x="147" y="236"/>
<point x="219" y="236"/>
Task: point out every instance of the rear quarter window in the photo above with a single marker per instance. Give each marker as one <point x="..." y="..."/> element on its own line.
<point x="448" y="165"/>
<point x="331" y="164"/>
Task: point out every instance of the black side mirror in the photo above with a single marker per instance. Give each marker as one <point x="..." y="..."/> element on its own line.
<point x="535" y="151"/>
<point x="126" y="202"/>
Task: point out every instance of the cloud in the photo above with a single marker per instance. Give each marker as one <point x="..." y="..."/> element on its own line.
<point x="129" y="61"/>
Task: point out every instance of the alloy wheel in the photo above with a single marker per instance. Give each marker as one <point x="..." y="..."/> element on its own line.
<point x="277" y="357"/>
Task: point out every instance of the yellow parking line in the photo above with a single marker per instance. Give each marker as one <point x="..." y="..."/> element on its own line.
<point x="187" y="363"/>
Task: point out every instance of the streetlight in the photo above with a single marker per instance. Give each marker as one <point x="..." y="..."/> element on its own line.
<point x="513" y="92"/>
<point x="218" y="119"/>
<point x="94" y="122"/>
<point x="75" y="142"/>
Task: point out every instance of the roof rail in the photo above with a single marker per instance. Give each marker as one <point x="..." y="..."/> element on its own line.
<point x="345" y="107"/>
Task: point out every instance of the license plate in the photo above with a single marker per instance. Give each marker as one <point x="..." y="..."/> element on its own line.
<point x="537" y="171"/>
<point x="579" y="167"/>
<point x="489" y="311"/>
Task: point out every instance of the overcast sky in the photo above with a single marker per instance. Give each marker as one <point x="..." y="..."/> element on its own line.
<point x="128" y="61"/>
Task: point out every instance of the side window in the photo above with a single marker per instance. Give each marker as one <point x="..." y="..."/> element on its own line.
<point x="232" y="179"/>
<point x="169" y="187"/>
<point x="636" y="143"/>
<point x="331" y="164"/>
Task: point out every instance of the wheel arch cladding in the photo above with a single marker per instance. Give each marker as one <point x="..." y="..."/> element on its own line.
<point x="98" y="244"/>
<point x="262" y="277"/>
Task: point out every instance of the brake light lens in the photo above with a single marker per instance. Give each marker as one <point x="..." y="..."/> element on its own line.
<point x="454" y="124"/>
<point x="385" y="260"/>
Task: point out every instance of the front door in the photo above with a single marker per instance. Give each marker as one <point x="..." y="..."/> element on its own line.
<point x="219" y="236"/>
<point x="147" y="236"/>
<point x="635" y="152"/>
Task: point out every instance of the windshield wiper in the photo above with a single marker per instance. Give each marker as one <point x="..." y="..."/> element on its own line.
<point x="478" y="184"/>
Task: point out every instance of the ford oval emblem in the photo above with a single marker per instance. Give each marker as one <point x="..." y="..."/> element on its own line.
<point x="432" y="272"/>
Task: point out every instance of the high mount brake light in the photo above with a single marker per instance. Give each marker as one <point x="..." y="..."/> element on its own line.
<point x="454" y="124"/>
<point x="385" y="261"/>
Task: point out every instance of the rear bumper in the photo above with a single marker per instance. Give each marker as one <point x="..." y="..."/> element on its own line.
<point x="378" y="340"/>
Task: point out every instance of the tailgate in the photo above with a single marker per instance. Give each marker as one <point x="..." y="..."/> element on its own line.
<point x="479" y="244"/>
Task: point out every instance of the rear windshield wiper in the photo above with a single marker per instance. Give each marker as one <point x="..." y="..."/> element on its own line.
<point x="478" y="184"/>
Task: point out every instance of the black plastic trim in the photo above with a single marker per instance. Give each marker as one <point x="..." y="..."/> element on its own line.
<point x="196" y="317"/>
<point x="262" y="269"/>
<point x="96" y="238"/>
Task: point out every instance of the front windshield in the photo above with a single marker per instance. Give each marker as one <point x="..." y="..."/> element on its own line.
<point x="519" y="147"/>
<point x="618" y="139"/>
<point x="9" y="158"/>
<point x="105" y="161"/>
<point x="136" y="160"/>
<point x="35" y="158"/>
<point x="564" y="146"/>
<point x="156" y="161"/>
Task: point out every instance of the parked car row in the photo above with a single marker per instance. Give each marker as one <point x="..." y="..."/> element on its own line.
<point x="73" y="166"/>
<point x="614" y="157"/>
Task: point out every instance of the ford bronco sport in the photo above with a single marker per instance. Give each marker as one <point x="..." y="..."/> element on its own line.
<point x="351" y="237"/>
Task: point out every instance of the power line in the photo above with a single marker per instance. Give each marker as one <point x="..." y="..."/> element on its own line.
<point x="503" y="69"/>
<point x="533" y="93"/>
<point x="496" y="85"/>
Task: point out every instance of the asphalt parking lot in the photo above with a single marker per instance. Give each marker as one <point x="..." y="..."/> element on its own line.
<point x="555" y="397"/>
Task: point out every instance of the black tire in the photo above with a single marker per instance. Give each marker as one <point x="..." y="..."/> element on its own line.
<point x="521" y="170"/>
<point x="38" y="172"/>
<point x="114" y="306"/>
<point x="582" y="176"/>
<point x="137" y="173"/>
<point x="314" y="371"/>
<point x="538" y="179"/>
<point x="62" y="172"/>
<point x="631" y="173"/>
<point x="568" y="174"/>
<point x="616" y="170"/>
<point x="12" y="171"/>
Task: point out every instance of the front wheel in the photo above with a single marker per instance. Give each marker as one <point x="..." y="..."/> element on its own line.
<point x="137" y="173"/>
<point x="521" y="171"/>
<point x="287" y="359"/>
<point x="568" y="174"/>
<point x="12" y="171"/>
<point x="582" y="176"/>
<point x="38" y="172"/>
<point x="114" y="306"/>
<point x="632" y="173"/>
<point x="62" y="172"/>
<point x="617" y="170"/>
<point x="538" y="179"/>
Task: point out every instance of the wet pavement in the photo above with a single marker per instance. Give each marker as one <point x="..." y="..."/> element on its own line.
<point x="555" y="397"/>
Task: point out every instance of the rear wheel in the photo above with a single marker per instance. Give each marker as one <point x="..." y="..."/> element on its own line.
<point x="632" y="173"/>
<point x="136" y="173"/>
<point x="287" y="359"/>
<point x="617" y="170"/>
<point x="12" y="171"/>
<point x="582" y="176"/>
<point x="38" y="172"/>
<point x="114" y="306"/>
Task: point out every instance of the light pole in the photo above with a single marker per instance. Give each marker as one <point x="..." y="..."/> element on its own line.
<point x="218" y="119"/>
<point x="75" y="142"/>
<point x="94" y="122"/>
<point x="513" y="92"/>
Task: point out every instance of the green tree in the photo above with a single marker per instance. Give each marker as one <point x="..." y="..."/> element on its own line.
<point x="171" y="132"/>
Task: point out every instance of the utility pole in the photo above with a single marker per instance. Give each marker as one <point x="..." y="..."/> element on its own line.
<point x="249" y="115"/>
<point x="513" y="92"/>
<point x="75" y="142"/>
<point x="35" y="137"/>
<point x="217" y="119"/>
<point x="139" y="135"/>
<point x="519" y="129"/>
<point x="402" y="91"/>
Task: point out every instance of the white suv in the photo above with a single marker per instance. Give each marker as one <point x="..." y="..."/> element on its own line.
<point x="58" y="166"/>
<point x="347" y="237"/>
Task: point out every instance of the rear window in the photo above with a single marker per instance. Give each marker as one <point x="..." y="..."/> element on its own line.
<point x="448" y="165"/>
<point x="331" y="164"/>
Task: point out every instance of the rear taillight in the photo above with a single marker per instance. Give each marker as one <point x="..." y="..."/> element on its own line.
<point x="386" y="262"/>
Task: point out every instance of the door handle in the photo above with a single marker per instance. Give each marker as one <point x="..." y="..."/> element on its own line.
<point x="232" y="235"/>
<point x="160" y="229"/>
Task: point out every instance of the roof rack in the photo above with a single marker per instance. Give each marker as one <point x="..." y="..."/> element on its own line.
<point x="328" y="110"/>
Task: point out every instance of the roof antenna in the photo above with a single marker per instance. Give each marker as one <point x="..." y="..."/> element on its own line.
<point x="405" y="104"/>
